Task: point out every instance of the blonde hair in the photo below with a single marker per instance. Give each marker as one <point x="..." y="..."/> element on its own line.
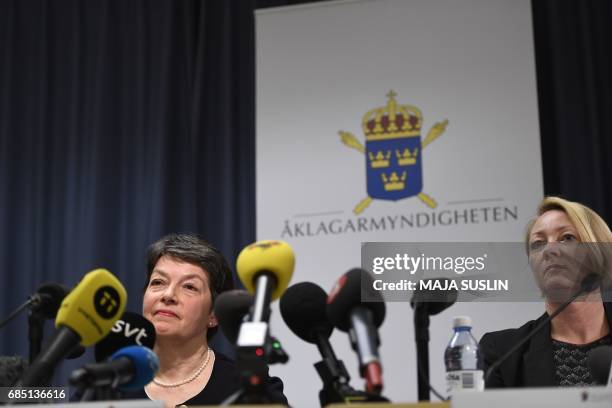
<point x="589" y="226"/>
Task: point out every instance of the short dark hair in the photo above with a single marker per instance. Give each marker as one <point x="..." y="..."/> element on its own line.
<point x="188" y="247"/>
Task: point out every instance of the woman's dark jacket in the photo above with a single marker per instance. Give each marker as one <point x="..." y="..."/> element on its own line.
<point x="531" y="365"/>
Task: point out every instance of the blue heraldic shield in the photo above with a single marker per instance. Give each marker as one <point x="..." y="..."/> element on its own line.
<point x="393" y="150"/>
<point x="393" y="167"/>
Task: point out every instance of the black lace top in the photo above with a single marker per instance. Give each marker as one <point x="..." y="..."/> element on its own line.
<point x="570" y="362"/>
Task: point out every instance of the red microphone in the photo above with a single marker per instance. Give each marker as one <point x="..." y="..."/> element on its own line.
<point x="361" y="320"/>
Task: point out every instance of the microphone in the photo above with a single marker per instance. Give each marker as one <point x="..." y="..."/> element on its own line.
<point x="230" y="308"/>
<point x="599" y="361"/>
<point x="303" y="308"/>
<point x="589" y="283"/>
<point x="428" y="303"/>
<point x="131" y="329"/>
<point x="265" y="269"/>
<point x="129" y="368"/>
<point x="85" y="316"/>
<point x="47" y="299"/>
<point x="43" y="304"/>
<point x="347" y="312"/>
<point x="432" y="302"/>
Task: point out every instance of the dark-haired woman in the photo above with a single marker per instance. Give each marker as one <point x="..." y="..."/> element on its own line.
<point x="184" y="277"/>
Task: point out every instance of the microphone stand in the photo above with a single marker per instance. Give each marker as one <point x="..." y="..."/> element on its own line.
<point x="35" y="334"/>
<point x="333" y="373"/>
<point x="421" y="334"/>
<point x="335" y="377"/>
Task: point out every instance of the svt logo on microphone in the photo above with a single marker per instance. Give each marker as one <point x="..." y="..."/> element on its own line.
<point x="124" y="328"/>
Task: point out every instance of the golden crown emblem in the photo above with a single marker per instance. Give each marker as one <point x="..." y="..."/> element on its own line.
<point x="407" y="158"/>
<point x="380" y="159"/>
<point x="392" y="121"/>
<point x="394" y="182"/>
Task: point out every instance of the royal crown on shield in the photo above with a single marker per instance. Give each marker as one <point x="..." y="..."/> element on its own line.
<point x="392" y="121"/>
<point x="393" y="152"/>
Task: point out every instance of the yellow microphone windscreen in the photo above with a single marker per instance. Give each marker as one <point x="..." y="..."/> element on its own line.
<point x="93" y="306"/>
<point x="275" y="257"/>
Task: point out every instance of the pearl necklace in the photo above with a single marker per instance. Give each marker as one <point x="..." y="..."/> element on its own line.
<point x="192" y="377"/>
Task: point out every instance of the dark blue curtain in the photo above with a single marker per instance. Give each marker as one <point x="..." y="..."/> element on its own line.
<point x="573" y="43"/>
<point x="120" y="121"/>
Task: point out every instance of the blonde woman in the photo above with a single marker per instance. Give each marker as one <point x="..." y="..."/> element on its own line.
<point x="557" y="354"/>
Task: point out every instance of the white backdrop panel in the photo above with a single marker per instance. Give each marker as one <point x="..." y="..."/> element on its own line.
<point x="320" y="68"/>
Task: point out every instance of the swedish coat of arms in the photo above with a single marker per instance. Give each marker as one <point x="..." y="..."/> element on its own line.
<point x="393" y="152"/>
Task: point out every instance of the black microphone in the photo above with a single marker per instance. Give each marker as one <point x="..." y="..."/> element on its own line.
<point x="43" y="305"/>
<point x="131" y="329"/>
<point x="303" y="308"/>
<point x="599" y="361"/>
<point x="433" y="301"/>
<point x="428" y="303"/>
<point x="48" y="298"/>
<point x="589" y="283"/>
<point x="45" y="302"/>
<point x="348" y="313"/>
<point x="231" y="308"/>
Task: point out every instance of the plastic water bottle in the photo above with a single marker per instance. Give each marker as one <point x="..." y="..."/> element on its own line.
<point x="462" y="359"/>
